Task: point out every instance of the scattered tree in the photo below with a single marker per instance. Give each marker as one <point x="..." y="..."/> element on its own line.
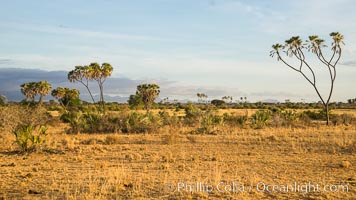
<point x="66" y="96"/>
<point x="227" y="98"/>
<point x="351" y="101"/>
<point x="202" y="97"/>
<point x="294" y="47"/>
<point x="94" y="71"/>
<point x="217" y="102"/>
<point x="148" y="93"/>
<point x="82" y="75"/>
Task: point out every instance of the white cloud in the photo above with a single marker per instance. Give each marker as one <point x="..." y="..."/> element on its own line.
<point x="60" y="29"/>
<point x="237" y="6"/>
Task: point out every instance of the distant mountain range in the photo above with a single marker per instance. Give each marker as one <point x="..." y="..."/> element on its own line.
<point x="12" y="78"/>
<point x="116" y="89"/>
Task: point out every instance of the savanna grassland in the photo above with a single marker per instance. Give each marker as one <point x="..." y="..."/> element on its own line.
<point x="192" y="153"/>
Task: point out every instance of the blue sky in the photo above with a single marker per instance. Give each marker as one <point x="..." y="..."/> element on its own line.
<point x="220" y="47"/>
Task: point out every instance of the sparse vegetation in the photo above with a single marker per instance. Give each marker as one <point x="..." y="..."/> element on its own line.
<point x="168" y="143"/>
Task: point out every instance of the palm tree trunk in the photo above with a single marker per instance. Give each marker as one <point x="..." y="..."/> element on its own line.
<point x="102" y="97"/>
<point x="40" y="100"/>
<point x="327" y="114"/>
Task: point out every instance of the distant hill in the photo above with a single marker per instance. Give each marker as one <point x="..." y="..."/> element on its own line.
<point x="12" y="78"/>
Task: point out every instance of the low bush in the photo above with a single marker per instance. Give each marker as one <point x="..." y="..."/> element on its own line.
<point x="28" y="136"/>
<point x="261" y="119"/>
<point x="141" y="123"/>
<point x="124" y="122"/>
<point x="313" y="115"/>
<point x="13" y="115"/>
<point x="343" y="119"/>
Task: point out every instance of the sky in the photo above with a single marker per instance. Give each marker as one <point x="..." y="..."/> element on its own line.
<point x="217" y="47"/>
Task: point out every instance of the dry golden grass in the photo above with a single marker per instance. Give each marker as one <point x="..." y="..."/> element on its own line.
<point x="153" y="166"/>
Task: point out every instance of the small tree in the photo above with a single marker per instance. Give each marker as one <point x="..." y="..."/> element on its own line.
<point x="43" y="88"/>
<point x="148" y="93"/>
<point x="217" y="102"/>
<point x="135" y="101"/>
<point x="65" y="96"/>
<point x="294" y="47"/>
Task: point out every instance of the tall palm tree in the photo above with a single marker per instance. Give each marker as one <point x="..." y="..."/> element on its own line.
<point x="82" y="75"/>
<point x="99" y="73"/>
<point x="295" y="48"/>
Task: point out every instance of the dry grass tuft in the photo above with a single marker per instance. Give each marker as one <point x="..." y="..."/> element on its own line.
<point x="345" y="164"/>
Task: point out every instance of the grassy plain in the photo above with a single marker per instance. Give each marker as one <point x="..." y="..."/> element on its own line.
<point x="234" y="164"/>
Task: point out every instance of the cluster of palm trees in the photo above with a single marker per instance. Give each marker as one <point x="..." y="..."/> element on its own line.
<point x="202" y="97"/>
<point x="81" y="74"/>
<point x="32" y="89"/>
<point x="351" y="101"/>
<point x="92" y="72"/>
<point x="227" y="98"/>
<point x="146" y="93"/>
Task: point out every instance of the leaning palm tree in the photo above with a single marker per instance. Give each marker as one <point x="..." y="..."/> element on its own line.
<point x="82" y="75"/>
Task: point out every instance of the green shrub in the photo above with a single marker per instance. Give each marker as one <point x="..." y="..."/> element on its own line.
<point x="193" y="115"/>
<point x="209" y="122"/>
<point x="141" y="123"/>
<point x="236" y="120"/>
<point x="320" y="115"/>
<point x="92" y="122"/>
<point x="168" y="120"/>
<point x="75" y="121"/>
<point x="290" y="117"/>
<point x="261" y="118"/>
<point x="242" y="121"/>
<point x="28" y="136"/>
